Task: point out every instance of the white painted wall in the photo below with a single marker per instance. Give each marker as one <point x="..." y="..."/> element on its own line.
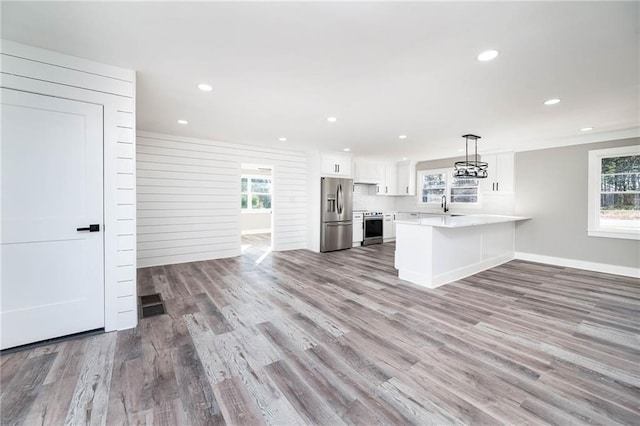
<point x="50" y="73"/>
<point x="255" y="223"/>
<point x="557" y="200"/>
<point x="189" y="198"/>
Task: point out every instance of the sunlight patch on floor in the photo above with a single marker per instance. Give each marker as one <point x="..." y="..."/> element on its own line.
<point x="264" y="256"/>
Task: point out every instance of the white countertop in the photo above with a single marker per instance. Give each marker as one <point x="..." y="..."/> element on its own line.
<point x="461" y="221"/>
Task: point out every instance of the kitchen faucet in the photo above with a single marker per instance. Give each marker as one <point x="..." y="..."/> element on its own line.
<point x="443" y="204"/>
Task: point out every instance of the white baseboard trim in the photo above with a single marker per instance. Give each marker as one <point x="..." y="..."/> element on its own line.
<point x="255" y="231"/>
<point x="469" y="270"/>
<point x="580" y="264"/>
<point x="425" y="280"/>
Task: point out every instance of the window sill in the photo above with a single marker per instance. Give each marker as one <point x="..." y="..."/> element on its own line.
<point x="255" y="211"/>
<point x="624" y="234"/>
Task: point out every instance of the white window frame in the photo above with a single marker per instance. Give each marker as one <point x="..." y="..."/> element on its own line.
<point x="594" y="228"/>
<point x="447" y="189"/>
<point x="249" y="208"/>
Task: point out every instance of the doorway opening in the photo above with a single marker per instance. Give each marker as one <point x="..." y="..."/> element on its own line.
<point x="256" y="211"/>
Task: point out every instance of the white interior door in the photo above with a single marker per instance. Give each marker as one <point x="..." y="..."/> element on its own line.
<point x="52" y="180"/>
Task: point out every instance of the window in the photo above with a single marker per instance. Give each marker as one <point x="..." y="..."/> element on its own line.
<point x="464" y="190"/>
<point x="434" y="184"/>
<point x="614" y="193"/>
<point x="255" y="193"/>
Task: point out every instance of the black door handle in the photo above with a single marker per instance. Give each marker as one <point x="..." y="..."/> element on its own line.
<point x="91" y="228"/>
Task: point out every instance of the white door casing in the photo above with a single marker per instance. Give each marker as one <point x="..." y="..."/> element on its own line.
<point x="52" y="281"/>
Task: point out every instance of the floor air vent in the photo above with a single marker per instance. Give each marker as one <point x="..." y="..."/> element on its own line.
<point x="151" y="305"/>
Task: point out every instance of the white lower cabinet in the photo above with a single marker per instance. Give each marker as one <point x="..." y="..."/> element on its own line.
<point x="389" y="227"/>
<point x="358" y="229"/>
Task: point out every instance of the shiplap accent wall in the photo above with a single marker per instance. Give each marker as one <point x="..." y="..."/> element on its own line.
<point x="188" y="202"/>
<point x="45" y="72"/>
<point x="126" y="217"/>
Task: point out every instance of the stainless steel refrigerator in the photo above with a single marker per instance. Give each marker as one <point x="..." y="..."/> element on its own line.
<point x="336" y="217"/>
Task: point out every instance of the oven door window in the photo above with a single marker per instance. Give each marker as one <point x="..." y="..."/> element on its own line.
<point x="373" y="228"/>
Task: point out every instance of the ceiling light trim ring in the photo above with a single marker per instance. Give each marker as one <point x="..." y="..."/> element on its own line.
<point x="488" y="55"/>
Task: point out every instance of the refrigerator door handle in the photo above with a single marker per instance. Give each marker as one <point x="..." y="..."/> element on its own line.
<point x="339" y="198"/>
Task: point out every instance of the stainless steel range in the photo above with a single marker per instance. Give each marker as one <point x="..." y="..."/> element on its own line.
<point x="373" y="222"/>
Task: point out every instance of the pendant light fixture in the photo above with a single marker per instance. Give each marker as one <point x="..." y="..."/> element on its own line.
<point x="471" y="168"/>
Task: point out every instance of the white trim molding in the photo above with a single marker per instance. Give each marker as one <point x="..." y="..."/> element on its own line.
<point x="256" y="231"/>
<point x="580" y="264"/>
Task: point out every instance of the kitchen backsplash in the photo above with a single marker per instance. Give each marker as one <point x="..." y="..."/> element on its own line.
<point x="491" y="204"/>
<point x="365" y="198"/>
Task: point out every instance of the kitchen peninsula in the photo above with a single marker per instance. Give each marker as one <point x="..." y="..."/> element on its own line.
<point x="438" y="250"/>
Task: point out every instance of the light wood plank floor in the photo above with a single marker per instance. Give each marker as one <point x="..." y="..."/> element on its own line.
<point x="307" y="338"/>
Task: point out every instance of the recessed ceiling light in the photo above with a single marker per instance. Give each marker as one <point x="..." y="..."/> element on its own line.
<point x="460" y="150"/>
<point x="347" y="149"/>
<point x="402" y="136"/>
<point x="404" y="158"/>
<point x="282" y="139"/>
<point x="552" y="101"/>
<point x="205" y="87"/>
<point x="331" y="119"/>
<point x="586" y="129"/>
<point x="183" y="122"/>
<point x="488" y="55"/>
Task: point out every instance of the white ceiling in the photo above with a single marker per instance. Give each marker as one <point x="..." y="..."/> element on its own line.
<point x="382" y="68"/>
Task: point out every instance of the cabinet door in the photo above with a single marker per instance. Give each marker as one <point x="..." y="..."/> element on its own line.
<point x="344" y="166"/>
<point x="393" y="226"/>
<point x="358" y="231"/>
<point x="335" y="165"/>
<point x="500" y="178"/>
<point x="406" y="184"/>
<point x="387" y="226"/>
<point x="381" y="188"/>
<point x="391" y="179"/>
<point x="329" y="165"/>
<point x="504" y="171"/>
<point x="488" y="185"/>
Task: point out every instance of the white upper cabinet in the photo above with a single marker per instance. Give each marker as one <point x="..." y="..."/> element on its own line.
<point x="368" y="172"/>
<point x="501" y="168"/>
<point x="406" y="184"/>
<point x="388" y="185"/>
<point x="390" y="178"/>
<point x="335" y="164"/>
